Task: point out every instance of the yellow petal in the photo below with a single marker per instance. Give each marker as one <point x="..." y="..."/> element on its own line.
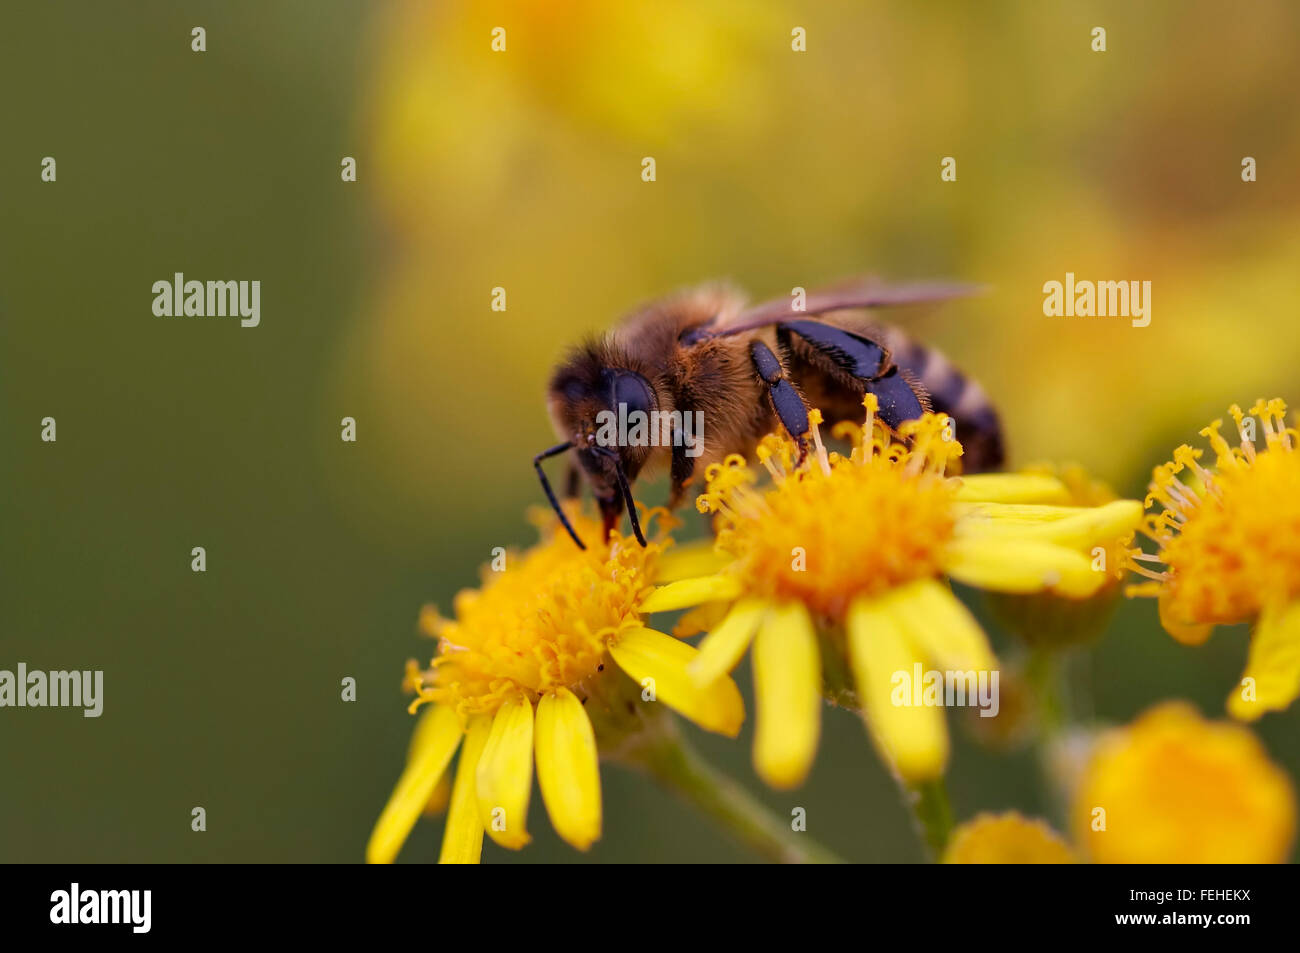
<point x="912" y="736"/>
<point x="702" y="618"/>
<point x="1189" y="633"/>
<point x="1012" y="488"/>
<point x="1009" y="565"/>
<point x="462" y="839"/>
<point x="568" y="771"/>
<point x="1074" y="526"/>
<point x="1273" y="662"/>
<point x="696" y="558"/>
<point x="1010" y="515"/>
<point x="941" y="627"/>
<point x="787" y="689"/>
<point x="691" y="592"/>
<point x="433" y="742"/>
<point x="505" y="775"/>
<point x="649" y="655"/>
<point x="440" y="797"/>
<point x="1098" y="524"/>
<point x="723" y="648"/>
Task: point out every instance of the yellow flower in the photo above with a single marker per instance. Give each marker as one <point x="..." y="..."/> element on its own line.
<point x="1006" y="839"/>
<point x="852" y="552"/>
<point x="1229" y="539"/>
<point x="529" y="669"/>
<point x="1045" y="620"/>
<point x="1175" y="788"/>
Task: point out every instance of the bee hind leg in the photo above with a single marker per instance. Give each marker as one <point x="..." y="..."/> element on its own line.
<point x="786" y="400"/>
<point x="855" y="364"/>
<point x="897" y="396"/>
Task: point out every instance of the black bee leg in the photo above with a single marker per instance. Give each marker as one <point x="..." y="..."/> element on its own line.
<point x="848" y="353"/>
<point x="907" y="383"/>
<point x="786" y="401"/>
<point x="683" y="469"/>
<point x="856" y="364"/>
<point x="571" y="481"/>
<point x="611" y="507"/>
<point x="626" y="490"/>
<point x="550" y="494"/>
<point x="896" y="394"/>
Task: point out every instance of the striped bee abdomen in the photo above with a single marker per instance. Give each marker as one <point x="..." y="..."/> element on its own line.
<point x="962" y="398"/>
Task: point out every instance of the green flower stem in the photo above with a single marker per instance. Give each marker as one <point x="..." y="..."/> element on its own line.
<point x="678" y="767"/>
<point x="1060" y="683"/>
<point x="1043" y="670"/>
<point x="929" y="804"/>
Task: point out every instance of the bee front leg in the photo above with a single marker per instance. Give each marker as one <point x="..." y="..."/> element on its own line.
<point x="786" y="401"/>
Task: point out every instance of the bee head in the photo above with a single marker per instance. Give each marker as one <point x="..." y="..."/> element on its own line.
<point x="594" y="399"/>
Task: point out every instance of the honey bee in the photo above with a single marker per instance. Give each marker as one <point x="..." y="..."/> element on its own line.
<point x="701" y="357"/>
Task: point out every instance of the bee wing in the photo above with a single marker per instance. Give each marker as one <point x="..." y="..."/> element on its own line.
<point x="863" y="293"/>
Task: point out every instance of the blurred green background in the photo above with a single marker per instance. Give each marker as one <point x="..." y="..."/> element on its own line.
<point x="522" y="170"/>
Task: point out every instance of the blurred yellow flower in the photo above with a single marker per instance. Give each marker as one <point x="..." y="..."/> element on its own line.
<point x="529" y="668"/>
<point x="1006" y="839"/>
<point x="1229" y="538"/>
<point x="558" y="75"/>
<point x="855" y="550"/>
<point x="1174" y="788"/>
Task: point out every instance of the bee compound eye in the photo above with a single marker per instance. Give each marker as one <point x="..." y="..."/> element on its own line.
<point x="633" y="391"/>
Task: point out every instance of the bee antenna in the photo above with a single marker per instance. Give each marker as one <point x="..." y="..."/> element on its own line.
<point x="550" y="494"/>
<point x="627" y="498"/>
